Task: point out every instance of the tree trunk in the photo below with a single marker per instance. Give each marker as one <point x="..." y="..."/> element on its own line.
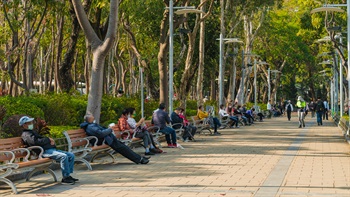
<point x="100" y="49"/>
<point x="66" y="81"/>
<point x="201" y="60"/>
<point x="59" y="50"/>
<point x="162" y="60"/>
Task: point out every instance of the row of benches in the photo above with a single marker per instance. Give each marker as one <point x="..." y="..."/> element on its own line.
<point x="15" y="157"/>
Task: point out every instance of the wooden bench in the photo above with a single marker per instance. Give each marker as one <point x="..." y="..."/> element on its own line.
<point x="15" y="156"/>
<point x="81" y="145"/>
<point x="127" y="137"/>
<point x="201" y="125"/>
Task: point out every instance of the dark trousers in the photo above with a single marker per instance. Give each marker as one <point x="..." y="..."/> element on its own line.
<point x="261" y="116"/>
<point x="167" y="131"/>
<point x="189" y="131"/>
<point x="125" y="151"/>
<point x="289" y="114"/>
<point x="216" y="124"/>
<point x="319" y="117"/>
<point x="234" y="120"/>
<point x="325" y="115"/>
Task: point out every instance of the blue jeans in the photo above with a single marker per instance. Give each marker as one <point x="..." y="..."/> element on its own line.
<point x="66" y="160"/>
<point x="319" y="117"/>
<point x="167" y="131"/>
<point x="216" y="124"/>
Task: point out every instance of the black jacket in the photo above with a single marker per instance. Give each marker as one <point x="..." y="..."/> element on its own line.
<point x="176" y="119"/>
<point x="32" y="138"/>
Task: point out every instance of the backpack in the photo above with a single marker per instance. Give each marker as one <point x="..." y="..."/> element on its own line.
<point x="319" y="106"/>
<point x="289" y="107"/>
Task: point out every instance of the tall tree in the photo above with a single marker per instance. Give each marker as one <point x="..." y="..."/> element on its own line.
<point x="100" y="50"/>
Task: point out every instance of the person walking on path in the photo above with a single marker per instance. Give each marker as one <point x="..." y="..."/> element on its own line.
<point x="326" y="109"/>
<point x="319" y="111"/>
<point x="289" y="109"/>
<point x="32" y="138"/>
<point x="301" y="105"/>
<point x="312" y="106"/>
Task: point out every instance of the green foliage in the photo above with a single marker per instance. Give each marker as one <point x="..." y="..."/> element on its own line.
<point x="20" y="105"/>
<point x="57" y="131"/>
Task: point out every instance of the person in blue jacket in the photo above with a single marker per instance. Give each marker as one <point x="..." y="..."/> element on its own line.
<point x="102" y="133"/>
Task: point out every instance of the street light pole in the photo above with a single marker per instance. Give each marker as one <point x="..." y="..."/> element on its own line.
<point x="142" y="99"/>
<point x="341" y="95"/>
<point x="183" y="10"/>
<point x="255" y="100"/>
<point x="269" y="84"/>
<point x="221" y="81"/>
<point x="171" y="54"/>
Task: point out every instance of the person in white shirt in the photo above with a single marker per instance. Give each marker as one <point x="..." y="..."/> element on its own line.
<point x="205" y="99"/>
<point x="325" y="111"/>
<point x="289" y="109"/>
<point x="269" y="107"/>
<point x="223" y="113"/>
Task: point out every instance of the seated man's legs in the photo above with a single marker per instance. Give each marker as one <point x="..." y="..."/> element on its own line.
<point x="66" y="160"/>
<point x="235" y="120"/>
<point x="169" y="132"/>
<point x="217" y="121"/>
<point x="126" y="151"/>
<point x="216" y="125"/>
<point x="193" y="130"/>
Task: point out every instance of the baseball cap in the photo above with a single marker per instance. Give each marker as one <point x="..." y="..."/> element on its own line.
<point x="24" y="120"/>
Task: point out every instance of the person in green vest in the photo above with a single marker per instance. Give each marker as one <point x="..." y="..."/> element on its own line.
<point x="301" y="106"/>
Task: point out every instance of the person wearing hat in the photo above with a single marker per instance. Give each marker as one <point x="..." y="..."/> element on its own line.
<point x="301" y="105"/>
<point x="32" y="138"/>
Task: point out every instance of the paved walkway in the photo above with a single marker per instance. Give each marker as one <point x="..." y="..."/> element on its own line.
<point x="271" y="158"/>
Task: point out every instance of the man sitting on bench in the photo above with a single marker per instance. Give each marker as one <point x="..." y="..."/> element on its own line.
<point x="32" y="138"/>
<point x="102" y="133"/>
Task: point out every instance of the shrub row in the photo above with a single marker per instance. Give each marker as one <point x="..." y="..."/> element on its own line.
<point x="69" y="110"/>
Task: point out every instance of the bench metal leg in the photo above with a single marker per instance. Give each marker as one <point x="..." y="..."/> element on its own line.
<point x="88" y="165"/>
<point x="8" y="182"/>
<point x="30" y="174"/>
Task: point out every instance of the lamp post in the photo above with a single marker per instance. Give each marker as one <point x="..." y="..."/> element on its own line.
<point x="182" y="10"/>
<point x="341" y="77"/>
<point x="335" y="8"/>
<point x="334" y="93"/>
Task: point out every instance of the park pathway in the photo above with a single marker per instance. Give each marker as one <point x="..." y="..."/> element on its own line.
<point x="270" y="158"/>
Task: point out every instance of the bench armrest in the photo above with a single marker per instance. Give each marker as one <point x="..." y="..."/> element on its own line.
<point x="128" y="132"/>
<point x="153" y="129"/>
<point x="40" y="156"/>
<point x="22" y="150"/>
<point x="92" y="137"/>
<point x="8" y="154"/>
<point x="177" y="124"/>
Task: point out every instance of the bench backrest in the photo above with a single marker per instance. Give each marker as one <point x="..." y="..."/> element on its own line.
<point x="9" y="144"/>
<point x="76" y="134"/>
<point x="195" y="118"/>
